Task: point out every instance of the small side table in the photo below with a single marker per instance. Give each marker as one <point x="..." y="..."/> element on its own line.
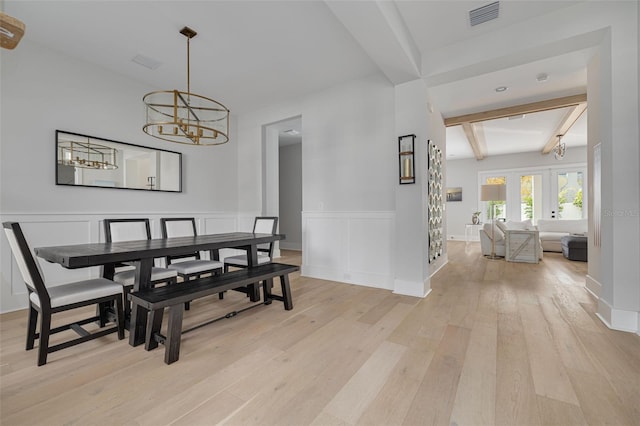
<point x="471" y="232"/>
<point x="522" y="246"/>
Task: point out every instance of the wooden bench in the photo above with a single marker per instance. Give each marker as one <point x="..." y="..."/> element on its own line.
<point x="154" y="300"/>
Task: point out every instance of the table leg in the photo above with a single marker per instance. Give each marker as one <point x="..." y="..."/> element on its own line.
<point x="252" y="260"/>
<point x="103" y="309"/>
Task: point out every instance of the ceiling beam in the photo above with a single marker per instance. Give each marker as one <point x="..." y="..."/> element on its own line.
<point x="567" y="121"/>
<point x="474" y="141"/>
<point x="563" y="102"/>
<point x="391" y="46"/>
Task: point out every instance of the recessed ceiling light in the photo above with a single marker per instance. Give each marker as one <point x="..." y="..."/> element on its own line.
<point x="501" y="89"/>
<point x="292" y="132"/>
<point x="542" y="77"/>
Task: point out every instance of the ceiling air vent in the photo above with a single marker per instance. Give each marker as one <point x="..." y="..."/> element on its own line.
<point x="146" y="62"/>
<point x="484" y="13"/>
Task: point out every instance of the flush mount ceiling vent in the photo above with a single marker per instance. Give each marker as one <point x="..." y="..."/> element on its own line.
<point x="484" y="13"/>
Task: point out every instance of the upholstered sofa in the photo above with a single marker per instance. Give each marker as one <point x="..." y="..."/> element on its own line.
<point x="552" y="230"/>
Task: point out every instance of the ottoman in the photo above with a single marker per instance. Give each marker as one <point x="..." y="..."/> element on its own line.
<point x="574" y="247"/>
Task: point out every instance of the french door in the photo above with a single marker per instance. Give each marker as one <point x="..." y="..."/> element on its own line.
<point x="552" y="193"/>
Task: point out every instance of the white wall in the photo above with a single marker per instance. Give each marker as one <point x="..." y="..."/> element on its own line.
<point x="291" y="196"/>
<point x="42" y="91"/>
<point x="349" y="174"/>
<point x="464" y="173"/>
<point x="613" y="83"/>
<point x="349" y="154"/>
<point x="413" y="115"/>
<point x="608" y="29"/>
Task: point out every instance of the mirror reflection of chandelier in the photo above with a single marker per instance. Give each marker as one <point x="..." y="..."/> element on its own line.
<point x="560" y="149"/>
<point x="186" y="117"/>
<point x="86" y="155"/>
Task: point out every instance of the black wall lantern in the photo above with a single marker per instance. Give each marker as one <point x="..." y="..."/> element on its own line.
<point x="406" y="159"/>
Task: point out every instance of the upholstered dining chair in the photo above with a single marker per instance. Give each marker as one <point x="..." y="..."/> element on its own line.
<point x="191" y="265"/>
<point x="46" y="301"/>
<point x="261" y="225"/>
<point x="117" y="230"/>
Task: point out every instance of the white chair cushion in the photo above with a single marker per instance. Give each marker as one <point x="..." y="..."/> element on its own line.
<point x="189" y="267"/>
<point x="79" y="291"/>
<point x="128" y="277"/>
<point x="241" y="260"/>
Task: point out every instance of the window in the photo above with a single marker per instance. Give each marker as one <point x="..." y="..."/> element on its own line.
<point x="570" y="195"/>
<point x="535" y="193"/>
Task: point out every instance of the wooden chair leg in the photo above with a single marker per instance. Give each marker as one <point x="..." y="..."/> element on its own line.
<point x="43" y="341"/>
<point x="120" y="317"/>
<point x="103" y="312"/>
<point x="31" y="327"/>
<point x="127" y="304"/>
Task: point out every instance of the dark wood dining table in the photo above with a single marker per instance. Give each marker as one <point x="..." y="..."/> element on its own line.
<point x="143" y="252"/>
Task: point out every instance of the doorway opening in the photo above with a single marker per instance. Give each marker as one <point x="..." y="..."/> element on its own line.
<point x="282" y="179"/>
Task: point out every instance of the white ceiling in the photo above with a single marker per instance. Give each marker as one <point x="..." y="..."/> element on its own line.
<point x="251" y="54"/>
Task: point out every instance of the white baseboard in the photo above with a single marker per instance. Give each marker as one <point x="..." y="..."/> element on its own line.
<point x="593" y="286"/>
<point x="454" y="237"/>
<point x="288" y="245"/>
<point x="618" y="319"/>
<point x="440" y="264"/>
<point x="339" y="275"/>
<point x="412" y="288"/>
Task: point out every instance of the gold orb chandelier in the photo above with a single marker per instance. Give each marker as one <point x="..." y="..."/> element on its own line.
<point x="186" y="117"/>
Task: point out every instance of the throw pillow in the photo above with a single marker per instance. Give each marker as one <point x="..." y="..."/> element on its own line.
<point x="520" y="226"/>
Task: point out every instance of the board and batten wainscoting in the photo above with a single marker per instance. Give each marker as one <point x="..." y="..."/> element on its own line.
<point x="60" y="229"/>
<point x="350" y="247"/>
<point x="338" y="246"/>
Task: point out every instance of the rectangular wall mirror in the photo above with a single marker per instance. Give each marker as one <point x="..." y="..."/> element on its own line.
<point x="83" y="160"/>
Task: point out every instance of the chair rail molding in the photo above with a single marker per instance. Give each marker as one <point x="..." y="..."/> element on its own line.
<point x="51" y="229"/>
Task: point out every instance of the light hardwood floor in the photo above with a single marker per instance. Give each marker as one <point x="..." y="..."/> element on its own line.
<point x="494" y="343"/>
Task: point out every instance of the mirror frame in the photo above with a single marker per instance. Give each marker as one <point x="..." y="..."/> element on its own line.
<point x="110" y="141"/>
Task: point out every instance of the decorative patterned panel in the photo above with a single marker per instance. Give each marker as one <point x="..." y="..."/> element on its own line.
<point x="435" y="201"/>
